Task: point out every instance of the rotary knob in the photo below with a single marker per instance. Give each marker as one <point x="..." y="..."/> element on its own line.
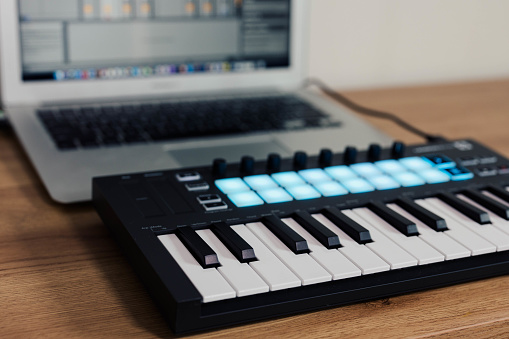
<point x="247" y="164"/>
<point x="300" y="160"/>
<point x="398" y="149"/>
<point x="350" y="155"/>
<point x="374" y="152"/>
<point x="219" y="167"/>
<point x="325" y="157"/>
<point x="273" y="162"/>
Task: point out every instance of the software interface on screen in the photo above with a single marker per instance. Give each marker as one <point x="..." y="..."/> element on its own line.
<point x="110" y="39"/>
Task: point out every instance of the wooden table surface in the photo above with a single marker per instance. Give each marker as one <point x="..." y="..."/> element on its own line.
<point x="62" y="276"/>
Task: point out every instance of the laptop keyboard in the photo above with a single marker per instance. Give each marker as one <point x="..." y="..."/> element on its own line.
<point x="101" y="126"/>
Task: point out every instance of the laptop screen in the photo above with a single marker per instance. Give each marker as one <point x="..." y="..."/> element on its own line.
<point x="79" y="40"/>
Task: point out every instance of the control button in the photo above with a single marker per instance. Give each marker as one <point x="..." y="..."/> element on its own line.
<point x="287" y="179"/>
<point x="275" y="195"/>
<point x="390" y="166"/>
<point x="398" y="149"/>
<point x="330" y="189"/>
<point x="358" y="185"/>
<point x="303" y="192"/>
<point x="247" y="164"/>
<point x="325" y="157"/>
<point x="469" y="161"/>
<point x="232" y="185"/>
<point x="366" y="169"/>
<point x="350" y="155"/>
<point x="383" y="182"/>
<point x="341" y="173"/>
<point x="215" y="206"/>
<point x="245" y="199"/>
<point x="273" y="162"/>
<point x="503" y="169"/>
<point x="434" y="176"/>
<point x="415" y="163"/>
<point x="219" y="167"/>
<point x="260" y="182"/>
<point x="208" y="198"/>
<point x="486" y="171"/>
<point x="199" y="186"/>
<point x="300" y="160"/>
<point x="188" y="176"/>
<point x="440" y="161"/>
<point x="315" y="175"/>
<point x="408" y="179"/>
<point x="490" y="159"/>
<point x="374" y="152"/>
<point x="459" y="173"/>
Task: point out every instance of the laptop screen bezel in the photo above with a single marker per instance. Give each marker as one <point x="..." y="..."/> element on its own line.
<point x="15" y="91"/>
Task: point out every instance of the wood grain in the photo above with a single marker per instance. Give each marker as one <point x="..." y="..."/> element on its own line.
<point x="62" y="276"/>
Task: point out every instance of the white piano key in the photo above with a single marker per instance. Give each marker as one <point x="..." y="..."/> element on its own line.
<point x="446" y="245"/>
<point x="384" y="247"/>
<point x="209" y="282"/>
<point x="419" y="249"/>
<point x="332" y="260"/>
<point x="486" y="231"/>
<point x="360" y="255"/>
<point x="239" y="275"/>
<point x="500" y="226"/>
<point x="268" y="266"/>
<point x="302" y="265"/>
<point x="457" y="231"/>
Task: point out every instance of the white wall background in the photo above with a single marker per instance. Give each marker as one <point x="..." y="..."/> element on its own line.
<point x="379" y="43"/>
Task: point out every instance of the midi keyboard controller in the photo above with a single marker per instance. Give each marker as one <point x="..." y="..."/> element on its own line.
<point x="231" y="243"/>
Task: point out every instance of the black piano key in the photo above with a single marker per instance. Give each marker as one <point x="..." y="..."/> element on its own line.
<point x="288" y="236"/>
<point x="324" y="235"/>
<point x="238" y="246"/>
<point x="494" y="206"/>
<point x="499" y="192"/>
<point x="470" y="211"/>
<point x="397" y="221"/>
<point x="431" y="219"/>
<point x="198" y="247"/>
<point x="347" y="225"/>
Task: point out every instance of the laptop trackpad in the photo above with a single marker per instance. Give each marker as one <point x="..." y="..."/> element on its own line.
<point x="231" y="153"/>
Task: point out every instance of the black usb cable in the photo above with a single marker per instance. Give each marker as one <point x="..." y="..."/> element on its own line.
<point x="371" y="112"/>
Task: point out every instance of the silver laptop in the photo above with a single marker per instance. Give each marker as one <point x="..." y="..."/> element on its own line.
<point x="98" y="87"/>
